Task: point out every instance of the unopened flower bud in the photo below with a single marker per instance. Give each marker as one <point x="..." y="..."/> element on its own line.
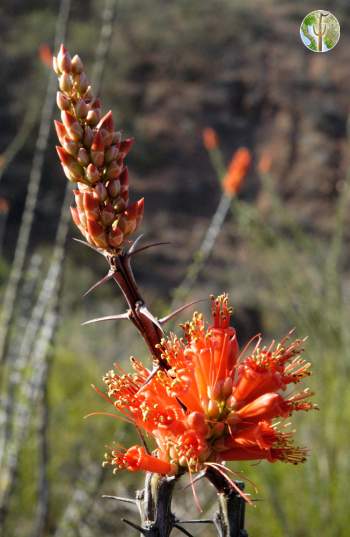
<point x="127" y="224"/>
<point x="101" y="191"/>
<point x="71" y="147"/>
<point x="65" y="83"/>
<point x="88" y="136"/>
<point x="119" y="205"/>
<point x="227" y="387"/>
<point x="113" y="188"/>
<point x="111" y="154"/>
<point x="62" y="101"/>
<point x="81" y="109"/>
<point x="64" y="61"/>
<point x="77" y="65"/>
<point x="107" y="215"/>
<point x="196" y="420"/>
<point x="73" y="127"/>
<point x="92" y="173"/>
<point x="92" y="118"/>
<point x="97" y="234"/>
<point x="115" y="237"/>
<point x="113" y="170"/>
<point x="81" y="83"/>
<point x="213" y="409"/>
<point x="97" y="149"/>
<point x="83" y="157"/>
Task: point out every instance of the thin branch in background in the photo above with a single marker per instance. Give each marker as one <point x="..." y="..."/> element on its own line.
<point x="32" y="357"/>
<point x="103" y="47"/>
<point x="27" y="298"/>
<point x="16" y="144"/>
<point x="204" y="250"/>
<point x="9" y="300"/>
<point x="83" y="497"/>
<point x="231" y="182"/>
<point x="29" y="394"/>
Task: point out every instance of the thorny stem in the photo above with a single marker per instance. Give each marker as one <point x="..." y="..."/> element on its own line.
<point x="229" y="519"/>
<point x="144" y="321"/>
<point x="154" y="503"/>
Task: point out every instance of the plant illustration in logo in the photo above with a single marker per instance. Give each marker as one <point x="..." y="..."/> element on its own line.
<point x="320" y="31"/>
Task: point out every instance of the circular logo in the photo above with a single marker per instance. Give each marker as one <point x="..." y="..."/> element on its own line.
<point x="320" y="31"/>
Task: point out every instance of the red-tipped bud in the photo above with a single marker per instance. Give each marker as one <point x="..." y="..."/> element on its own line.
<point x="115" y="237"/>
<point x="61" y="131"/>
<point x="106" y="122"/>
<point x="71" y="147"/>
<point x="91" y="206"/>
<point x="77" y="65"/>
<point x="101" y="191"/>
<point x="125" y="146"/>
<point x="127" y="224"/>
<point x="111" y="154"/>
<point x="83" y="157"/>
<point x="113" y="170"/>
<point x="70" y="164"/>
<point x="73" y="127"/>
<point x="88" y="136"/>
<point x="92" y="174"/>
<point x="107" y="215"/>
<point x="97" y="234"/>
<point x="64" y="61"/>
<point x="62" y="101"/>
<point x="81" y="83"/>
<point x="81" y="109"/>
<point x="113" y="188"/>
<point x="92" y="118"/>
<point x="119" y="205"/>
<point x="65" y="83"/>
<point x="97" y="149"/>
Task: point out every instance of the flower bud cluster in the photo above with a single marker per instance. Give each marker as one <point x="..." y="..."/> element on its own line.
<point x="92" y="155"/>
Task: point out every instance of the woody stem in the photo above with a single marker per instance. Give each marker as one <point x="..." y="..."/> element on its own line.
<point x="229" y="519"/>
<point x="154" y="503"/>
<point x="138" y="312"/>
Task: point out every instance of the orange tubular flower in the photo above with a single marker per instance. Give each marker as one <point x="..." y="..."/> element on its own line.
<point x="211" y="405"/>
<point x="210" y="139"/>
<point x="237" y="171"/>
<point x="92" y="155"/>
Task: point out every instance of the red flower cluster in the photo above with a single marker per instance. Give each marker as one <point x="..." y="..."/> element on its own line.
<point x="211" y="405"/>
<point x="92" y="155"/>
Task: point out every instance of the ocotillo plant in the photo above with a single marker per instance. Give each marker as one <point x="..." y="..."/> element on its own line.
<point x="204" y="402"/>
<point x="321" y="30"/>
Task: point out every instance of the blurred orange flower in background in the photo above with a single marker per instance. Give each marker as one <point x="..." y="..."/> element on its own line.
<point x="210" y="139"/>
<point x="237" y="171"/>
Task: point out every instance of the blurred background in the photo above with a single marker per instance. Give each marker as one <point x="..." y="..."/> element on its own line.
<point x="169" y="70"/>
